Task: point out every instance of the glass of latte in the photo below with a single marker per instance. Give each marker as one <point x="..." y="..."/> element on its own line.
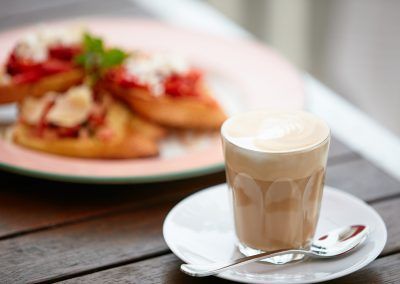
<point x="275" y="167"/>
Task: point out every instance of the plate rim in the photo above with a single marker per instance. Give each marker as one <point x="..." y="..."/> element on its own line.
<point x="332" y="190"/>
<point x="131" y="179"/>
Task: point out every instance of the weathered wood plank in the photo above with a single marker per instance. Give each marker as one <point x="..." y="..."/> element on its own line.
<point x="382" y="270"/>
<point x="101" y="243"/>
<point x="165" y="269"/>
<point x="28" y="204"/>
<point x="390" y="213"/>
<point x="162" y="269"/>
<point x="85" y="246"/>
<point x="363" y="179"/>
<point x="70" y="250"/>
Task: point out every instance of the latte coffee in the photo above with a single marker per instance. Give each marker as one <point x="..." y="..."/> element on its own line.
<point x="275" y="167"/>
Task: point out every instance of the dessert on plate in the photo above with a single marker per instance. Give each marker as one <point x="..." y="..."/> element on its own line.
<point x="78" y="97"/>
<point x="84" y="123"/>
<point x="165" y="89"/>
<point x="42" y="61"/>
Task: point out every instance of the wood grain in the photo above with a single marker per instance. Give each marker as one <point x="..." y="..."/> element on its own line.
<point x="27" y="204"/>
<point x="87" y="246"/>
<point x="54" y="231"/>
<point x="382" y="270"/>
<point x="162" y="269"/>
<point x="107" y="242"/>
<point x="361" y="178"/>
<point x="165" y="269"/>
<point x="390" y="213"/>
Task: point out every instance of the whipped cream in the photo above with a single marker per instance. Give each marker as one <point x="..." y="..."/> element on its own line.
<point x="32" y="108"/>
<point x="152" y="69"/>
<point x="71" y="108"/>
<point x="35" y="45"/>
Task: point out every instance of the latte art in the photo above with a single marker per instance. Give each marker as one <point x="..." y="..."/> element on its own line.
<point x="275" y="131"/>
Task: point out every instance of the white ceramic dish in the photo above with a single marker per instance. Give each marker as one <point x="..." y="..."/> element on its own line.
<point x="200" y="230"/>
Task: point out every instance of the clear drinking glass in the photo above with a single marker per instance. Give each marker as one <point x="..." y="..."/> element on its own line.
<point x="276" y="196"/>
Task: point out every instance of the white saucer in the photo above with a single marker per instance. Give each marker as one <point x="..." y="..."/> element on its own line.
<point x="200" y="230"/>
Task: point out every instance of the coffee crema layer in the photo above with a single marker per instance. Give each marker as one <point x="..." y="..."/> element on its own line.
<point x="275" y="131"/>
<point x="309" y="139"/>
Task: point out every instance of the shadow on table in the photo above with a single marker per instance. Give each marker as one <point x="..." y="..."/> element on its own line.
<point x="28" y="204"/>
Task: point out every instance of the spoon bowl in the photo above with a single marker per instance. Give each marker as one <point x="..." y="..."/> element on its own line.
<point x="337" y="242"/>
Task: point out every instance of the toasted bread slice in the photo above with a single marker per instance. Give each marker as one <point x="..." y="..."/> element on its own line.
<point x="185" y="112"/>
<point x="128" y="141"/>
<point x="58" y="82"/>
<point x="147" y="128"/>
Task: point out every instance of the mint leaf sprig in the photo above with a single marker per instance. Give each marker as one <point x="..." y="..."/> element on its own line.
<point x="96" y="59"/>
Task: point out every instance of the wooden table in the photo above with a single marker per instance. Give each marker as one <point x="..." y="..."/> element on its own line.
<point x="75" y="233"/>
<point x="52" y="231"/>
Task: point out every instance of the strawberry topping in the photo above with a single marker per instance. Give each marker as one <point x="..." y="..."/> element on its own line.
<point x="176" y="85"/>
<point x="25" y="70"/>
<point x="183" y="85"/>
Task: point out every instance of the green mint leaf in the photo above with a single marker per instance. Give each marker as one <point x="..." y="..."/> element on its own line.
<point x="112" y="57"/>
<point x="92" y="43"/>
<point x="95" y="59"/>
<point x="80" y="59"/>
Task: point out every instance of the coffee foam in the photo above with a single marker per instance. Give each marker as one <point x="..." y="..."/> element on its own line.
<point x="275" y="131"/>
<point x="271" y="145"/>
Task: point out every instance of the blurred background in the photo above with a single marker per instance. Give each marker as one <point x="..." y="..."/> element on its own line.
<point x="353" y="46"/>
<point x="350" y="45"/>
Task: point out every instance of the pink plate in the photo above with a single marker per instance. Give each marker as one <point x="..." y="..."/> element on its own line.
<point x="242" y="74"/>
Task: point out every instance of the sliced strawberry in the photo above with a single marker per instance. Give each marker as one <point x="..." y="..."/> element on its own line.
<point x="27" y="77"/>
<point x="27" y="71"/>
<point x="53" y="66"/>
<point x="183" y="85"/>
<point x="16" y="65"/>
<point x="64" y="53"/>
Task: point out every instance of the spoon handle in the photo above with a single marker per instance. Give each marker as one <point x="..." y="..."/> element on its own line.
<point x="199" y="270"/>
